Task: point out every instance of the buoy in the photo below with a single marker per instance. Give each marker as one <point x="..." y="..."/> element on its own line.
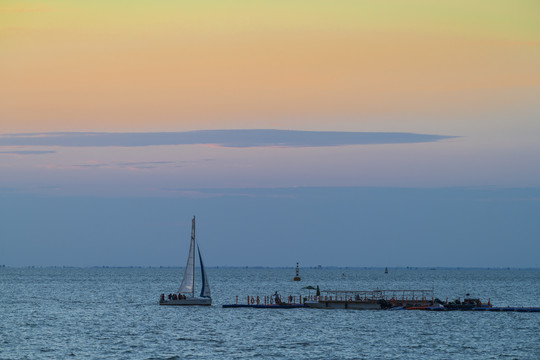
<point x="297" y="277"/>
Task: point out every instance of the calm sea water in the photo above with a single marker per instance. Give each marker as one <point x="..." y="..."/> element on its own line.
<point x="110" y="313"/>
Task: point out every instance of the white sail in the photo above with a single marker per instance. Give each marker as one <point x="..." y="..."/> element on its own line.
<point x="205" y="290"/>
<point x="187" y="286"/>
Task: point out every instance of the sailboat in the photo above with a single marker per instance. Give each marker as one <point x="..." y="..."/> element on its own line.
<point x="186" y="292"/>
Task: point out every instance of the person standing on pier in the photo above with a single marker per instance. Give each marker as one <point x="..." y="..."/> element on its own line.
<point x="277" y="300"/>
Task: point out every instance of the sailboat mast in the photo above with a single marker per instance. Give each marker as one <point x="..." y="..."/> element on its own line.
<point x="193" y="255"/>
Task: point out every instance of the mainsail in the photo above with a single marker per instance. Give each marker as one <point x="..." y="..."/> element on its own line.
<point x="187" y="285"/>
<point x="205" y="291"/>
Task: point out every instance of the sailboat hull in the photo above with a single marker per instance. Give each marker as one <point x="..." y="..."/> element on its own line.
<point x="187" y="302"/>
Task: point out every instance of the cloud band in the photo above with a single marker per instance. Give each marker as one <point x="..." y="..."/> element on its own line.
<point x="224" y="138"/>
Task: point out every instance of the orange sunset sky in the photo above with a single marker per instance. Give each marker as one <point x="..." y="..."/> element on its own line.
<point x="314" y="65"/>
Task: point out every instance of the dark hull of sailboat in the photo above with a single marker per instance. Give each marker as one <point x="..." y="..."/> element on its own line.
<point x="187" y="302"/>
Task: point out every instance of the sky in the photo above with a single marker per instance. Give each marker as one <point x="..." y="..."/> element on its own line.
<point x="168" y="107"/>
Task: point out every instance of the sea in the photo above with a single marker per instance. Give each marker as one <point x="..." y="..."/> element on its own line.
<point x="113" y="313"/>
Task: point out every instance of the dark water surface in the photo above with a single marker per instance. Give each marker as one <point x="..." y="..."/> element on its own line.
<point x="110" y="313"/>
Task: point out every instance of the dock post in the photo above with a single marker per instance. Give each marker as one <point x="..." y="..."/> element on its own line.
<point x="236" y="299"/>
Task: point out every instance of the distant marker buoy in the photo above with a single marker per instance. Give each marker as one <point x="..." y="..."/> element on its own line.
<point x="297" y="277"/>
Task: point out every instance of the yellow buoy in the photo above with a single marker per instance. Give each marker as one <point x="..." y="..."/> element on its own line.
<point x="297" y="277"/>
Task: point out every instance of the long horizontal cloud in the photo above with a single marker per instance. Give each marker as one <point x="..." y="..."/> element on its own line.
<point x="27" y="152"/>
<point x="225" y="138"/>
<point x="139" y="165"/>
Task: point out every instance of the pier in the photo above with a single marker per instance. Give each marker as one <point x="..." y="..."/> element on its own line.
<point x="423" y="300"/>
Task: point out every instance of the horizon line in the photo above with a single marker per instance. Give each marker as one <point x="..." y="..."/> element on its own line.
<point x="313" y="267"/>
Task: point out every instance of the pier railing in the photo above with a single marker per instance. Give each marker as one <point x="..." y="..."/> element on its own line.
<point x="271" y="300"/>
<point x="393" y="297"/>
